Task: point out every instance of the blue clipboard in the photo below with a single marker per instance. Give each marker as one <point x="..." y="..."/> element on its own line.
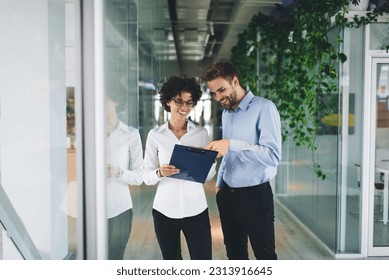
<point x="194" y="163"/>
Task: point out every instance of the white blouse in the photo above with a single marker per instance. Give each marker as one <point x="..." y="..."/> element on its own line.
<point x="175" y="198"/>
<point x="124" y="149"/>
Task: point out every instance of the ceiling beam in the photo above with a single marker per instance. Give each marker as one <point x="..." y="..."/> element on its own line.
<point x="173" y="19"/>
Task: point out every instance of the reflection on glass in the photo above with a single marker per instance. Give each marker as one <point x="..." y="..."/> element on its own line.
<point x="381" y="238"/>
<point x="382" y="82"/>
<point x="124" y="167"/>
<point x="312" y="200"/>
<point x="70" y="200"/>
<point x="37" y="124"/>
<point x="124" y="153"/>
<point x="379" y="36"/>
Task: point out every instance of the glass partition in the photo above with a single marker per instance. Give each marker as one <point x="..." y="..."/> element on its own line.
<point x="379" y="189"/>
<point x="350" y="194"/>
<point x="133" y="73"/>
<point x="40" y="146"/>
<point x="140" y="55"/>
<point x="379" y="37"/>
<point x="330" y="208"/>
<point x="37" y="132"/>
<point x="124" y="153"/>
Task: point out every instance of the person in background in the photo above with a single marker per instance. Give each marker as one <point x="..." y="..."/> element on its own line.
<point x="251" y="150"/>
<point x="179" y="205"/>
<point x="124" y="168"/>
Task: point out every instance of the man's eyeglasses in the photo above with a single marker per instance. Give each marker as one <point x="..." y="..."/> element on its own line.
<point x="181" y="103"/>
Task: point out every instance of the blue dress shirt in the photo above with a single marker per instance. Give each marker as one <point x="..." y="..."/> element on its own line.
<point x="254" y="130"/>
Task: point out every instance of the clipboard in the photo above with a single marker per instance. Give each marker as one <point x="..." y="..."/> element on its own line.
<point x="194" y="163"/>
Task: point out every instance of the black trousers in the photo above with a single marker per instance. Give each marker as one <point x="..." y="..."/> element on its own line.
<point x="197" y="232"/>
<point x="119" y="229"/>
<point x="247" y="213"/>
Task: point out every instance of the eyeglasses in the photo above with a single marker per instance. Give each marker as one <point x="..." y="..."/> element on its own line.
<point x="181" y="103"/>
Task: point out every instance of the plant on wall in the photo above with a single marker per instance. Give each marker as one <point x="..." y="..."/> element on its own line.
<point x="299" y="65"/>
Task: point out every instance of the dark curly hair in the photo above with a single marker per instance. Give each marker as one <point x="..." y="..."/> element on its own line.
<point x="175" y="85"/>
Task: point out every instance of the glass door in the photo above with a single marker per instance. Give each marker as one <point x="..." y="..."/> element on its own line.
<point x="379" y="160"/>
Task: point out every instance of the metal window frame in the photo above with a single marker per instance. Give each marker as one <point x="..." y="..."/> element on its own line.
<point x="90" y="117"/>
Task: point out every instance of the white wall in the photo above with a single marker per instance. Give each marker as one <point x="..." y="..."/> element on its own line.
<point x="32" y="122"/>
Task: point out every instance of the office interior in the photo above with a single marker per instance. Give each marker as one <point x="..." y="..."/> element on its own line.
<point x="59" y="56"/>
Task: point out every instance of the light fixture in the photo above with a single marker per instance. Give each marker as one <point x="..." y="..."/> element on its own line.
<point x="211" y="30"/>
<point x="206" y="40"/>
<point x="210" y="53"/>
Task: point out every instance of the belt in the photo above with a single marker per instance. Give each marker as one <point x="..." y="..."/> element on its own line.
<point x="226" y="187"/>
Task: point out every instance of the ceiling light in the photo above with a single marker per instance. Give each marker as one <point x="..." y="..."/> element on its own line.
<point x="211" y="30"/>
<point x="206" y="40"/>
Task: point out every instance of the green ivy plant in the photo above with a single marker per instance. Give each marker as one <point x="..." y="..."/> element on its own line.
<point x="299" y="65"/>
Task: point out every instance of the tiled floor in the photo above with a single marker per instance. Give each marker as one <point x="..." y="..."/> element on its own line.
<point x="292" y="240"/>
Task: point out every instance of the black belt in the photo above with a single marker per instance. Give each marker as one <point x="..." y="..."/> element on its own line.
<point x="226" y="187"/>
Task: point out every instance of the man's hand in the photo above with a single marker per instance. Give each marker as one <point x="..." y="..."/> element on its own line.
<point x="221" y="146"/>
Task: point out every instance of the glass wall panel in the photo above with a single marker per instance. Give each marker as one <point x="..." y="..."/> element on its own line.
<point x="71" y="199"/>
<point x="379" y="36"/>
<point x="352" y="88"/>
<point x="380" y="193"/>
<point x="37" y="136"/>
<point x="330" y="208"/>
<point x="310" y="199"/>
<point x="124" y="152"/>
<point x="140" y="55"/>
<point x="136" y="35"/>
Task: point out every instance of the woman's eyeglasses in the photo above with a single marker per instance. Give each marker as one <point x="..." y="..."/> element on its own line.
<point x="181" y="103"/>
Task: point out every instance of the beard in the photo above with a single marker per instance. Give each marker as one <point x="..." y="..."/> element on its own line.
<point x="228" y="102"/>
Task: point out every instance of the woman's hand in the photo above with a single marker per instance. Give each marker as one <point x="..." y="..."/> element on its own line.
<point x="167" y="170"/>
<point x="114" y="171"/>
